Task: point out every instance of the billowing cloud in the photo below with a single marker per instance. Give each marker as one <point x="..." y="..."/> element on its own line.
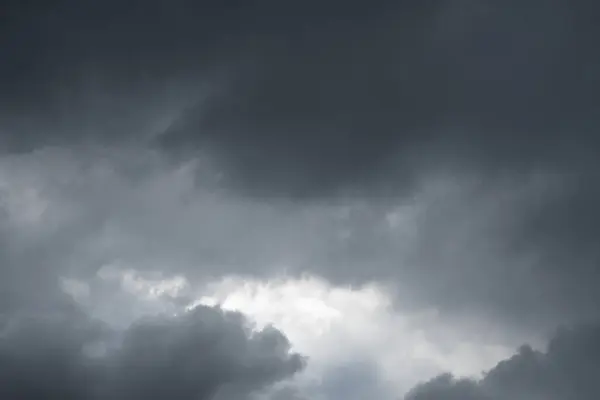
<point x="358" y="343"/>
<point x="567" y="369"/>
<point x="444" y="151"/>
<point x="195" y="355"/>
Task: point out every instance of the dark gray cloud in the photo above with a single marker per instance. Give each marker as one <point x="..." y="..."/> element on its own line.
<point x="81" y="71"/>
<point x="314" y="127"/>
<point x="196" y="355"/>
<point x="567" y="369"/>
<point x="321" y="97"/>
<point x="353" y="105"/>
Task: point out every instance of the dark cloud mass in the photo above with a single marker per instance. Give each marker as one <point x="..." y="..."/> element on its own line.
<point x="196" y="355"/>
<point x="349" y="103"/>
<point x="448" y="148"/>
<point x="567" y="369"/>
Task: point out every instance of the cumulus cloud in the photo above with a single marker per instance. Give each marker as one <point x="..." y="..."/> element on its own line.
<point x="567" y="369"/>
<point x="195" y="355"/>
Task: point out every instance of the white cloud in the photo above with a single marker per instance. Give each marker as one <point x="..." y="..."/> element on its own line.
<point x="149" y="287"/>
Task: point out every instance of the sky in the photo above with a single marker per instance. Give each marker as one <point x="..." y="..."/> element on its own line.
<point x="268" y="200"/>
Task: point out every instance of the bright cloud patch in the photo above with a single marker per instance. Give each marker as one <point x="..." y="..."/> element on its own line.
<point x="342" y="328"/>
<point x="357" y="342"/>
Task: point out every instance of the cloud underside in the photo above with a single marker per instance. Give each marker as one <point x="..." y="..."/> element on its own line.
<point x="308" y="103"/>
<point x="205" y="353"/>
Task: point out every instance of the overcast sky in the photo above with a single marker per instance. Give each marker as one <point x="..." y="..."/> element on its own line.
<point x="316" y="200"/>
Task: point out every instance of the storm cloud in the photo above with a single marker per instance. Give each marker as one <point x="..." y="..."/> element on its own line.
<point x="200" y="354"/>
<point x="353" y="104"/>
<point x="446" y="150"/>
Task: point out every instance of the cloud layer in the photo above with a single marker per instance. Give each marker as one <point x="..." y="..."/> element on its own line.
<point x="443" y="151"/>
<point x="309" y="104"/>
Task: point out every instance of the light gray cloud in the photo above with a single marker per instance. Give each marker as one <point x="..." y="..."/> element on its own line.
<point x="462" y="243"/>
